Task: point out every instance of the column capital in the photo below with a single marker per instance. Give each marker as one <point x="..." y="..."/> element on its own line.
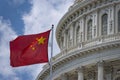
<point x="80" y="69"/>
<point x="100" y="63"/>
<point x="64" y="76"/>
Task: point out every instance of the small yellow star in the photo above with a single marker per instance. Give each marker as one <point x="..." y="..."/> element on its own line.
<point x="41" y="40"/>
<point x="32" y="47"/>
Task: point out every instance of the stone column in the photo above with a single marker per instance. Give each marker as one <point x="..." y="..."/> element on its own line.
<point x="74" y="35"/>
<point x="80" y="73"/>
<point x="65" y="39"/>
<point x="84" y="28"/>
<point x="100" y="71"/>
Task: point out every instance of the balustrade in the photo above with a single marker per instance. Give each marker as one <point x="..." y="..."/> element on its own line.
<point x="89" y="43"/>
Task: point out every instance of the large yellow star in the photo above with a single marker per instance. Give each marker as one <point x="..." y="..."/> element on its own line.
<point x="40" y="40"/>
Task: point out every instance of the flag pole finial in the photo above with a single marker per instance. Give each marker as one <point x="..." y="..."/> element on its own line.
<point x="52" y="26"/>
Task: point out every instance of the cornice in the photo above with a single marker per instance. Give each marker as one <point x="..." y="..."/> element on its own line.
<point x="78" y="54"/>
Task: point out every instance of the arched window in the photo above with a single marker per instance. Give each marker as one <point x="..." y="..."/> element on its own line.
<point x="89" y="30"/>
<point x="78" y="34"/>
<point x="119" y="21"/>
<point x="104" y="24"/>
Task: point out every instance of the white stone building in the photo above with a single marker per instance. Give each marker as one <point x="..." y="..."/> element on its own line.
<point x="89" y="39"/>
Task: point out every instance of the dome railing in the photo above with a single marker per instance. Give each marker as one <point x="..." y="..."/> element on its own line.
<point x="89" y="43"/>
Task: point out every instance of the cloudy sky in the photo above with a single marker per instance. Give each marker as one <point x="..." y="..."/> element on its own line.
<point x="19" y="17"/>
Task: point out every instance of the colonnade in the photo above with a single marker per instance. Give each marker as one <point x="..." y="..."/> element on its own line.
<point x="80" y="73"/>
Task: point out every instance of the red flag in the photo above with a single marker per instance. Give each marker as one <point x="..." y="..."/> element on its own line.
<point x="29" y="49"/>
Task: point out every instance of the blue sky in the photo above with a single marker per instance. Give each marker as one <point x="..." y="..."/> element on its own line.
<point x="12" y="10"/>
<point x="20" y="17"/>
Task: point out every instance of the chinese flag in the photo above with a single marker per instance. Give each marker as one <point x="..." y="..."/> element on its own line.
<point x="29" y="49"/>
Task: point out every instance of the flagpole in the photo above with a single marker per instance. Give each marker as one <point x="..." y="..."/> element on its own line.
<point x="51" y="52"/>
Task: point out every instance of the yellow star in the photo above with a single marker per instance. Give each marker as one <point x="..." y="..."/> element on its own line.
<point x="41" y="40"/>
<point x="32" y="47"/>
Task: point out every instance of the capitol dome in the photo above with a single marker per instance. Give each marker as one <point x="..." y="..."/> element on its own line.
<point x="88" y="36"/>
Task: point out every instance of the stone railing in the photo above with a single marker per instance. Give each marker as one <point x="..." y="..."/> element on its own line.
<point x="102" y="39"/>
<point x="89" y="43"/>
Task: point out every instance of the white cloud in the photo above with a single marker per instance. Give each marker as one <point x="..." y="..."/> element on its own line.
<point x="41" y="17"/>
<point x="44" y="14"/>
<point x="7" y="34"/>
